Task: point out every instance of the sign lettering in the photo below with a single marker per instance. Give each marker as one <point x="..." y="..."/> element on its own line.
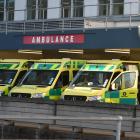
<point x="55" y="39"/>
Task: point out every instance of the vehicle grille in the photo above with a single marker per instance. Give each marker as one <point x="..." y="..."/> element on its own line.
<point x="21" y="95"/>
<point x="75" y="98"/>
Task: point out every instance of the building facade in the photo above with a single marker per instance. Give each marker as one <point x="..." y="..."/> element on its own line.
<point x="27" y="10"/>
<point x="80" y="24"/>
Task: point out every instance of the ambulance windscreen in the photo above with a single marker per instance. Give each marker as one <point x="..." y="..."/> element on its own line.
<point x="39" y="77"/>
<point x="91" y="79"/>
<point x="7" y="76"/>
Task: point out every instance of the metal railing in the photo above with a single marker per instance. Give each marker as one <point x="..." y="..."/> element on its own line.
<point x="118" y="120"/>
<point x="78" y="17"/>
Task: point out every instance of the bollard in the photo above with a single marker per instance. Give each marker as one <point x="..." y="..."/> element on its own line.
<point x="119" y="125"/>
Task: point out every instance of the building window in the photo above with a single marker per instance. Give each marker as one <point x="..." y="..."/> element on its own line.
<point x="10" y="6"/>
<point x="78" y="8"/>
<point x="42" y="9"/>
<point x="1" y="10"/>
<point x="72" y="8"/>
<point x="104" y="7"/>
<point x="118" y="7"/>
<point x="66" y="8"/>
<point x="36" y="9"/>
<point x="31" y="9"/>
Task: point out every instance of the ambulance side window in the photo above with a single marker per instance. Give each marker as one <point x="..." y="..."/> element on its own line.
<point x="129" y="80"/>
<point x="126" y="80"/>
<point x="115" y="75"/>
<point x="20" y="76"/>
<point x="63" y="80"/>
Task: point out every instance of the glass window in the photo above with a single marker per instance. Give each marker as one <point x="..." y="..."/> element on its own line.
<point x="91" y="79"/>
<point x="1" y="10"/>
<point x="104" y="7"/>
<point x="66" y="8"/>
<point x="78" y="8"/>
<point x="42" y="9"/>
<point x="7" y="76"/>
<point x="118" y="7"/>
<point x="126" y="80"/>
<point x="39" y="77"/>
<point x="10" y="4"/>
<point x="129" y="80"/>
<point x="31" y="9"/>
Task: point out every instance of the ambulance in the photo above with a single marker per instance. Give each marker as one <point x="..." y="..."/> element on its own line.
<point x="47" y="79"/>
<point x="110" y="81"/>
<point x="11" y="72"/>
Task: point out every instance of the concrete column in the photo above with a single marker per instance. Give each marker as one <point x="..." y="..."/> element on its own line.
<point x="20" y="13"/>
<point x="111" y="8"/>
<point x="5" y="12"/>
<point x="36" y="15"/>
<point x="54" y="10"/>
<point x="72" y="8"/>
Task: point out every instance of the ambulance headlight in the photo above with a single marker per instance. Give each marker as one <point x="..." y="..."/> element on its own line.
<point x="1" y="93"/>
<point x="62" y="97"/>
<point x="38" y="95"/>
<point x="94" y="98"/>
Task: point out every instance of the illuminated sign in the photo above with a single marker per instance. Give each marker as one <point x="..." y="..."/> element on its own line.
<point x="55" y="39"/>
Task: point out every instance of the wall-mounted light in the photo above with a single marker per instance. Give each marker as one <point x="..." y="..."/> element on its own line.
<point x="30" y="51"/>
<point x="70" y="51"/>
<point x="125" y="51"/>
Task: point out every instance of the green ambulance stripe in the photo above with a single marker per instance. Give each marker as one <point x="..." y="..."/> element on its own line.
<point x="95" y="67"/>
<point x="113" y="94"/>
<point x="86" y="67"/>
<point x="46" y="66"/>
<point x="55" y="92"/>
<point x="130" y="101"/>
<point x="8" y="66"/>
<point x="111" y="68"/>
<point x="14" y="66"/>
<point x="57" y="66"/>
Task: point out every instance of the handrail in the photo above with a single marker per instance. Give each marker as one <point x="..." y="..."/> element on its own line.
<point x="118" y="119"/>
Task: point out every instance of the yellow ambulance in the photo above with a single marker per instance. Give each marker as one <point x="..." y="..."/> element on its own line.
<point x="111" y="81"/>
<point x="11" y="72"/>
<point x="47" y="79"/>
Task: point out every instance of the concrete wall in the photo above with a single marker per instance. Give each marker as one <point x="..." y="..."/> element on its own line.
<point x="41" y="108"/>
<point x="92" y="110"/>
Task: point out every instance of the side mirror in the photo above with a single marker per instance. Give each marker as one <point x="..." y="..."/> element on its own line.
<point x="114" y="86"/>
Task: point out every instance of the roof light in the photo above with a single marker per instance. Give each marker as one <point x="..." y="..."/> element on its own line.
<point x="71" y="51"/>
<point x="30" y="51"/>
<point x="126" y="51"/>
